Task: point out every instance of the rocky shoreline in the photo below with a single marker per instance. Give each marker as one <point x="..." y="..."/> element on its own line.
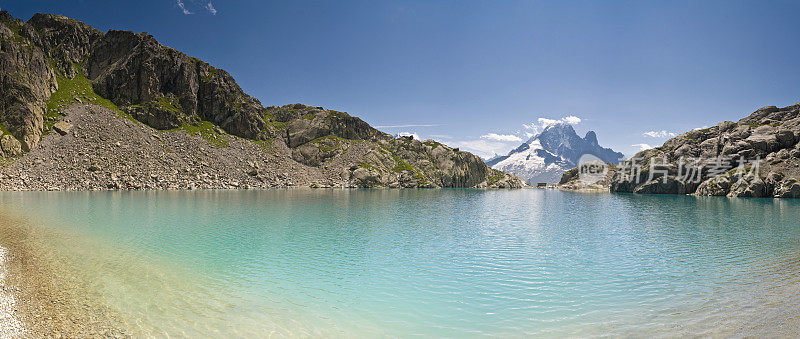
<point x="10" y="325"/>
<point x="45" y="300"/>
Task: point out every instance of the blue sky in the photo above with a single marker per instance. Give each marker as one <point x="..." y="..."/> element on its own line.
<point x="475" y="73"/>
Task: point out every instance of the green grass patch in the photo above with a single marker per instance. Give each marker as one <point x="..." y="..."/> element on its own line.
<point x="758" y="124"/>
<point x="15" y="29"/>
<point x="277" y="125"/>
<point x="495" y="177"/>
<point x="4" y="130"/>
<point x="401" y="166"/>
<point x="309" y="116"/>
<point x="327" y="137"/>
<point x="329" y="142"/>
<point x="68" y="91"/>
<point x="212" y="73"/>
<point x="265" y="145"/>
<point x="339" y="114"/>
<point x="368" y="166"/>
<point x="205" y="129"/>
<point x="433" y="144"/>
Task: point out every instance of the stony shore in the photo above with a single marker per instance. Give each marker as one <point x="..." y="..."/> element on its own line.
<point x="10" y="325"/>
<point x="41" y="299"/>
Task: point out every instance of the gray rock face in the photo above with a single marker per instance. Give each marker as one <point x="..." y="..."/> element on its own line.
<point x="10" y="146"/>
<point x="770" y="134"/>
<point x="134" y="69"/>
<point x="130" y="75"/>
<point x="787" y="189"/>
<point x="26" y="81"/>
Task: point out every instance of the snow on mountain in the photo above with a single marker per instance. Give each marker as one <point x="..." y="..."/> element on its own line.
<point x="547" y="155"/>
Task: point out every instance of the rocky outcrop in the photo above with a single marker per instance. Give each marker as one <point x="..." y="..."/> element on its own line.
<point x="26" y="81"/>
<point x="758" y="156"/>
<point x="134" y="70"/>
<point x="121" y="84"/>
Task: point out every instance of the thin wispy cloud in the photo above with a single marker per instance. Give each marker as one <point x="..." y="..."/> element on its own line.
<point x="183" y="8"/>
<point x="642" y="147"/>
<point x="210" y="8"/>
<point x="407" y="126"/>
<point x="659" y="134"/>
<point x="501" y="137"/>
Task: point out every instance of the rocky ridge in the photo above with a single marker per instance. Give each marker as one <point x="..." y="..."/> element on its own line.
<point x="82" y="109"/>
<point x="767" y="141"/>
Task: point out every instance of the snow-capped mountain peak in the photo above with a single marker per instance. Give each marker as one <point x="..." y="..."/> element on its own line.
<point x="547" y="155"/>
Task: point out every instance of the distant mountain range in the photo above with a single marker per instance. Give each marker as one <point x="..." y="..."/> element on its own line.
<point x="547" y="155"/>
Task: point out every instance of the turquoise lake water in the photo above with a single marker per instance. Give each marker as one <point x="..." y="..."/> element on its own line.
<point x="447" y="263"/>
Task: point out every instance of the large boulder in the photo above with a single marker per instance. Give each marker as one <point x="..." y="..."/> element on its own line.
<point x="10" y="146"/>
<point x="749" y="187"/>
<point x="789" y="188"/>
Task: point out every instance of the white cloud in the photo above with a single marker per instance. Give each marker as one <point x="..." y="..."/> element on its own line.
<point x="501" y="137"/>
<point x="484" y="148"/>
<point x="211" y="8"/>
<point x="704" y="127"/>
<point x="642" y="147"/>
<point x="183" y="8"/>
<point x="572" y="120"/>
<point x="543" y="123"/>
<point x="408" y="134"/>
<point x="659" y="134"/>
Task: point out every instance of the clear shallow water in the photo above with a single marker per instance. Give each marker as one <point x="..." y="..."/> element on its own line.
<point x="451" y="263"/>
